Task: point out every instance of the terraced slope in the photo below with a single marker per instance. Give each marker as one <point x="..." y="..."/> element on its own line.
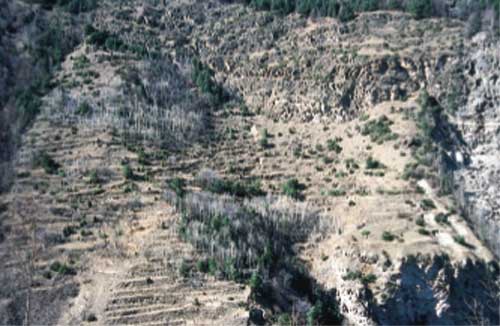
<point x="331" y="105"/>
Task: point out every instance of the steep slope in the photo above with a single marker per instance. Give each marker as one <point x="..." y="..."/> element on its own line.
<point x="335" y="106"/>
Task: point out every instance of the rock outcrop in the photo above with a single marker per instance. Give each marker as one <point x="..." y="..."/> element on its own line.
<point x="479" y="119"/>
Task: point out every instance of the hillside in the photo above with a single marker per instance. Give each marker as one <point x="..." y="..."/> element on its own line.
<point x="206" y="162"/>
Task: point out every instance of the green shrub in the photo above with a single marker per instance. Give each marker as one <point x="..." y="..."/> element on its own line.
<point x="372" y="164"/>
<point x="293" y="188"/>
<point x="423" y="231"/>
<point x="379" y="130"/>
<point x="46" y="162"/>
<point x="79" y="6"/>
<point x="84" y="109"/>
<point x="369" y="278"/>
<point x="441" y="218"/>
<point x="184" y="269"/>
<point x="255" y="282"/>
<point x="388" y="236"/>
<point x="334" y="146"/>
<point x="337" y="192"/>
<point x="127" y="171"/>
<point x="212" y="266"/>
<point x="284" y="320"/>
<point x="460" y="239"/>
<point x="204" y="78"/>
<point x="352" y="275"/>
<point x="427" y="204"/>
<point x="62" y="269"/>
<point x="313" y="314"/>
<point x="420" y="8"/>
<point x="235" y="188"/>
<point x="264" y="139"/>
<point x="69" y="230"/>
<point x="28" y="106"/>
<point x="420" y="221"/>
<point x="178" y="186"/>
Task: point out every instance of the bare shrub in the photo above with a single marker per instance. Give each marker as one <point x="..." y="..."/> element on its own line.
<point x="250" y="234"/>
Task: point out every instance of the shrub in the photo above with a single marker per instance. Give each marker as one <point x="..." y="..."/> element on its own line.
<point x="460" y="239"/>
<point x="313" y="314"/>
<point x="420" y="221"/>
<point x="204" y="78"/>
<point x="264" y="140"/>
<point x="379" y="130"/>
<point x="293" y="188"/>
<point x="333" y="145"/>
<point x="284" y="320"/>
<point x="337" y="192"/>
<point x="62" y="269"/>
<point x="369" y="278"/>
<point x="352" y="275"/>
<point x="178" y="186"/>
<point x="372" y="164"/>
<point x="69" y="230"/>
<point x="427" y="204"/>
<point x="420" y="8"/>
<point x="84" y="109"/>
<point x="388" y="236"/>
<point x="28" y="105"/>
<point x="202" y="266"/>
<point x="255" y="282"/>
<point x="423" y="231"/>
<point x="235" y="188"/>
<point x="79" y="6"/>
<point x="46" y="162"/>
<point x="441" y="218"/>
<point x="346" y="12"/>
<point x="127" y="171"/>
<point x="184" y="269"/>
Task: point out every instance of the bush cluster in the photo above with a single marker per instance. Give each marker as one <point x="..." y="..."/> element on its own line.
<point x="379" y="130"/>
<point x="204" y="78"/>
<point x="235" y="188"/>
